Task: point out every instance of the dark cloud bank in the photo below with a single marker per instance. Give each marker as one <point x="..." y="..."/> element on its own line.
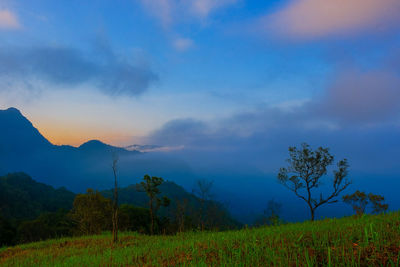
<point x="110" y="73"/>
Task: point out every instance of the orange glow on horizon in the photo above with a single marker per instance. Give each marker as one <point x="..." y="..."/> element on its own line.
<point x="76" y="135"/>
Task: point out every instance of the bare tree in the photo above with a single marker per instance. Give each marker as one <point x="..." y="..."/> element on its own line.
<point x="115" y="198"/>
<point x="203" y="192"/>
<point x="305" y="171"/>
<point x="181" y="207"/>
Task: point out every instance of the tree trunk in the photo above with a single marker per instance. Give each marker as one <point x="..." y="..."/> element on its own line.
<point x="151" y="217"/>
<point x="312" y="214"/>
<point x="115" y="208"/>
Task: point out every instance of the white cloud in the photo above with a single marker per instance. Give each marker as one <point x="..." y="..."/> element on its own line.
<point x="8" y="20"/>
<point x="171" y="11"/>
<point x="161" y="9"/>
<point x="204" y="7"/>
<point x="309" y="19"/>
<point x="183" y="44"/>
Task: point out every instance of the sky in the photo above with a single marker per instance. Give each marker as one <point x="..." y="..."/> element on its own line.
<point x="227" y="85"/>
<point x="121" y="70"/>
<point x="185" y="72"/>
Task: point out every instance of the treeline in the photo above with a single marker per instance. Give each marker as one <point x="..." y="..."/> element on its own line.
<point x="31" y="211"/>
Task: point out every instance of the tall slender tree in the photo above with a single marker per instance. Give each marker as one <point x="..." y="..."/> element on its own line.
<point x="115" y="198"/>
<point x="305" y="172"/>
<point x="150" y="185"/>
<point x="203" y="192"/>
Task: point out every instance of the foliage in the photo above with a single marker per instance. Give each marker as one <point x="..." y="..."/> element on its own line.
<point x="360" y="200"/>
<point x="372" y="240"/>
<point x="92" y="213"/>
<point x="133" y="218"/>
<point x="48" y="225"/>
<point x="305" y="171"/>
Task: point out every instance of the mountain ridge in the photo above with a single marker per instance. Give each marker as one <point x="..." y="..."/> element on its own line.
<point x="24" y="149"/>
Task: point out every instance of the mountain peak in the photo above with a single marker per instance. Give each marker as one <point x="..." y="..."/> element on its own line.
<point x="18" y="130"/>
<point x="94" y="144"/>
<point x="11" y="111"/>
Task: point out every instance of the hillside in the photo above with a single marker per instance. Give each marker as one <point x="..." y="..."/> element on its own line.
<point x="22" y="198"/>
<point x="351" y="241"/>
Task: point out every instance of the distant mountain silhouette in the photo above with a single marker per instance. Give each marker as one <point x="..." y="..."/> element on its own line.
<point x="24" y="149"/>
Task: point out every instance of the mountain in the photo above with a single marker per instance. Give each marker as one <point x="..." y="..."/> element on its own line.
<point x="18" y="133"/>
<point x="22" y="198"/>
<point x="24" y="149"/>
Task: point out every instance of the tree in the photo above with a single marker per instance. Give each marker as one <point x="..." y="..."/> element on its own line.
<point x="270" y="215"/>
<point x="47" y="225"/>
<point x="91" y="212"/>
<point x="377" y="205"/>
<point x="305" y="172"/>
<point x="150" y="187"/>
<point x="360" y="200"/>
<point x="115" y="200"/>
<point x="203" y="192"/>
<point x="133" y="218"/>
<point x="181" y="207"/>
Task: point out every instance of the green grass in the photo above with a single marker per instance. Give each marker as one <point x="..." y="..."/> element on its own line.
<point x="351" y="241"/>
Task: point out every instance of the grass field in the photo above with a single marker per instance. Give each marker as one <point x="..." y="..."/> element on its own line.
<point x="351" y="241"/>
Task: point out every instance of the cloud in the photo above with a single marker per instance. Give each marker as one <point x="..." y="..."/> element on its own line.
<point x="203" y="8"/>
<point x="362" y="96"/>
<point x="8" y="20"/>
<point x="358" y="115"/>
<point x="216" y="147"/>
<point x="172" y="11"/>
<point x="111" y="74"/>
<point x="310" y="19"/>
<point x="153" y="148"/>
<point x="183" y="44"/>
<point x="161" y="9"/>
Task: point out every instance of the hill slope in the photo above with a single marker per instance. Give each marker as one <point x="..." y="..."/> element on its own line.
<point x="366" y="241"/>
<point x="23" y="198"/>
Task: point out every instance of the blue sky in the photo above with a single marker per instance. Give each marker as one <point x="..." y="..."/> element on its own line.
<point x="206" y="63"/>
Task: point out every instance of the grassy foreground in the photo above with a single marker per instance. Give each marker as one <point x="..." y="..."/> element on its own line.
<point x="365" y="241"/>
